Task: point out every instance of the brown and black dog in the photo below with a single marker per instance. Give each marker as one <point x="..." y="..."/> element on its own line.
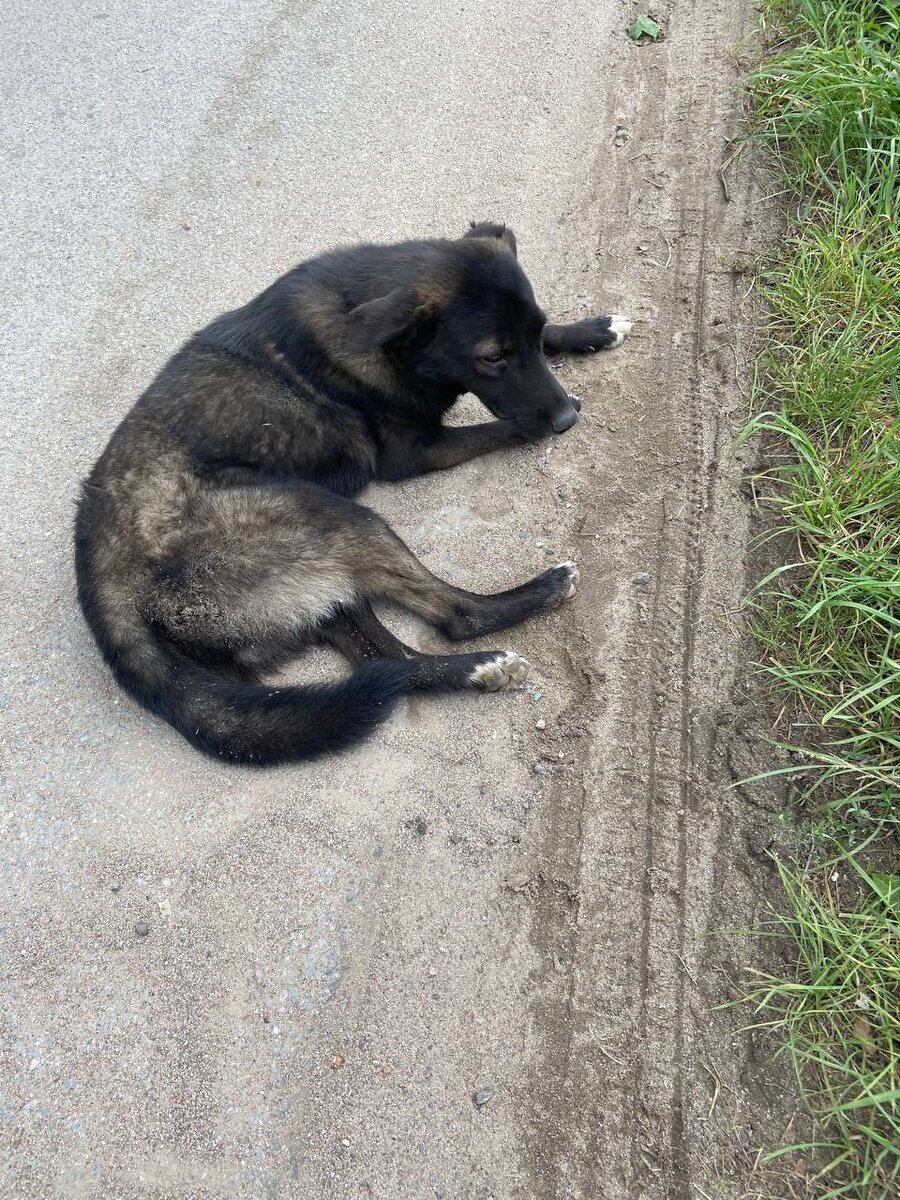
<point x="217" y="535"/>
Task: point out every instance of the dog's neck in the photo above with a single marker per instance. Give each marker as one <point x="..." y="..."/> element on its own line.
<point x="299" y="333"/>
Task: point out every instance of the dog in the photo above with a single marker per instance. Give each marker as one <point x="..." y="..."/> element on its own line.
<point x="218" y="534"/>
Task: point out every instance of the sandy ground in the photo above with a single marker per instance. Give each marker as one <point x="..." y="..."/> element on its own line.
<point x="510" y="896"/>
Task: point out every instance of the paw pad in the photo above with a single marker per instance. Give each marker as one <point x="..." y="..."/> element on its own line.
<point x="620" y="327"/>
<point x="571" y="572"/>
<point x="502" y="671"/>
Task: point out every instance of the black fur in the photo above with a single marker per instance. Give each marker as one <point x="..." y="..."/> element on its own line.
<point x="217" y="534"/>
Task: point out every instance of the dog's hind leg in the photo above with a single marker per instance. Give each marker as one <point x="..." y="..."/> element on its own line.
<point x="477" y="616"/>
<point x="358" y="634"/>
<point x="385" y="568"/>
<point x="261" y="570"/>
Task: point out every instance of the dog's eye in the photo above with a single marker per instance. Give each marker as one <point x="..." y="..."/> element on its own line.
<point x="492" y="358"/>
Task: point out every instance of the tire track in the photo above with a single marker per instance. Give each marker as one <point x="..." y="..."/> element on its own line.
<point x="693" y="570"/>
<point x="650" y="849"/>
<point x="616" y="1094"/>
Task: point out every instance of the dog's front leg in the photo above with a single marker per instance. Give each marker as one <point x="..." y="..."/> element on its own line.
<point x="449" y="448"/>
<point x="586" y="337"/>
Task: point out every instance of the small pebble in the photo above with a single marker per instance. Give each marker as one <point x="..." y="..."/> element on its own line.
<point x="422" y="827"/>
<point x="539" y="768"/>
<point x="338" y="1061"/>
<point x="432" y="971"/>
<point x="345" y="1141"/>
<point x="141" y="928"/>
<point x="483" y="1097"/>
<point x="541" y="724"/>
<point x="642" y="577"/>
<point x="538" y="695"/>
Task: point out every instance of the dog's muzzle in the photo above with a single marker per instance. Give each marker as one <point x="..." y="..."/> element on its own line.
<point x="565" y="420"/>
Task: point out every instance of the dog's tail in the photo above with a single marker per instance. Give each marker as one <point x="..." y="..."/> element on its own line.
<point x="230" y="718"/>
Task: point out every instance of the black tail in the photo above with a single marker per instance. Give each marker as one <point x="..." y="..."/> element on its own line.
<point x="262" y="726"/>
<point x="229" y="718"/>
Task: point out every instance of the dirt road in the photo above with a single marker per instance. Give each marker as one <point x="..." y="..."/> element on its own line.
<point x="472" y="958"/>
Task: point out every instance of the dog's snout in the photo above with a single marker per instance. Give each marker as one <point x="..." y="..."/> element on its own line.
<point x="564" y="420"/>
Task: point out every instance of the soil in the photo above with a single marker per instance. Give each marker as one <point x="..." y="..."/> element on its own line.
<point x="485" y="955"/>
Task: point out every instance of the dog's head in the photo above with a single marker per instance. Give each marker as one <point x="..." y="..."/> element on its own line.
<point x="470" y="323"/>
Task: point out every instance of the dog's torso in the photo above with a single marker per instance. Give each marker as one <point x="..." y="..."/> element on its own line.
<point x="217" y="533"/>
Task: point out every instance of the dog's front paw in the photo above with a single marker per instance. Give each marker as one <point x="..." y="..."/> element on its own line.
<point x="502" y="670"/>
<point x="602" y="333"/>
<point x="619" y="327"/>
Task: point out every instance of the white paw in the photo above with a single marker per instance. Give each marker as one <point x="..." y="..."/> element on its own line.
<point x="619" y="326"/>
<point x="572" y="571"/>
<point x="504" y="670"/>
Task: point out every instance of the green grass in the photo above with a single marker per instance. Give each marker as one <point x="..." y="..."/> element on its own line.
<point x="840" y="1023"/>
<point x="827" y="400"/>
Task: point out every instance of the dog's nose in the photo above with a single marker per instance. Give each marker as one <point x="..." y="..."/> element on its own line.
<point x="564" y="420"/>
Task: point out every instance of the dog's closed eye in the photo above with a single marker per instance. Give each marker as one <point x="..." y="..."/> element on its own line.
<point x="490" y="362"/>
<point x="490" y="357"/>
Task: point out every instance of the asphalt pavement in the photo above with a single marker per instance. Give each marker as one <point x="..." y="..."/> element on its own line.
<point x="326" y="979"/>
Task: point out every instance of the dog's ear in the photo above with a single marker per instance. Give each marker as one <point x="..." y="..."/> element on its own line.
<point x="487" y="229"/>
<point x="377" y="322"/>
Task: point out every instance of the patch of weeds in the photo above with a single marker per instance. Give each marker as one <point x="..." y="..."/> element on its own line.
<point x="840" y="1019"/>
<point x="827" y="398"/>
